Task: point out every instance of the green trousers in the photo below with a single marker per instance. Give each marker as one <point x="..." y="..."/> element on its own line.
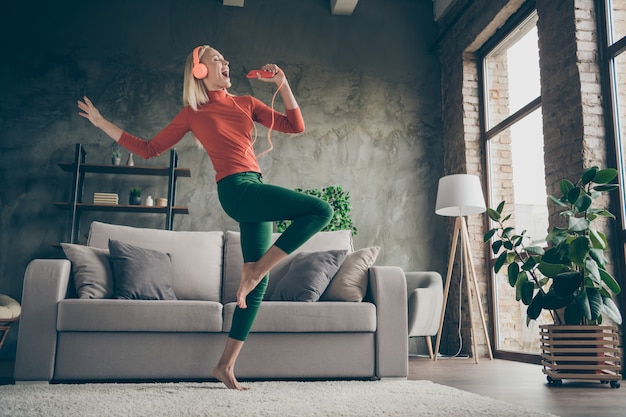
<point x="255" y="206"/>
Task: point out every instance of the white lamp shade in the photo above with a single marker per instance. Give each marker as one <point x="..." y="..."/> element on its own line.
<point x="460" y="195"/>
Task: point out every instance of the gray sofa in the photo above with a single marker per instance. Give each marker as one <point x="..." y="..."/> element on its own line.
<point x="65" y="338"/>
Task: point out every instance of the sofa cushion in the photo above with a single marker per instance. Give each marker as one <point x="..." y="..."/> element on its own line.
<point x="139" y="273"/>
<point x="75" y="315"/>
<point x="308" y="275"/>
<point x="297" y="317"/>
<point x="196" y="256"/>
<point x="350" y="282"/>
<point x="233" y="259"/>
<point x="91" y="270"/>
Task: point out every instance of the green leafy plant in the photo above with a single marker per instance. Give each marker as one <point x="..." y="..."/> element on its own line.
<point x="116" y="154"/>
<point x="135" y="192"/>
<point x="339" y="201"/>
<point x="570" y="276"/>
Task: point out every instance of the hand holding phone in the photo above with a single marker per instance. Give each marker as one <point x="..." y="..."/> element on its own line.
<point x="264" y="74"/>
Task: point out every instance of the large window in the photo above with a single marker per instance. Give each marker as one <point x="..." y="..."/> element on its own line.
<point x="612" y="37"/>
<point x="515" y="162"/>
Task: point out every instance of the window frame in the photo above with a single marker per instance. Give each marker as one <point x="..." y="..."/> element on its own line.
<point x="607" y="52"/>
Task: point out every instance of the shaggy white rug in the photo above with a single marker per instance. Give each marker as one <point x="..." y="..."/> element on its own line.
<point x="333" y="398"/>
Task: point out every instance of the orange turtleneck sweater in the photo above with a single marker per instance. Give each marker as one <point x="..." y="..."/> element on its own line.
<point x="224" y="130"/>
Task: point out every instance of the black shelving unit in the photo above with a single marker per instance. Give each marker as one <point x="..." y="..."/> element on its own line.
<point x="79" y="168"/>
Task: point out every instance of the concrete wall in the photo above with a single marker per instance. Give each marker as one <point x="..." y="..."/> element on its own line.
<point x="367" y="84"/>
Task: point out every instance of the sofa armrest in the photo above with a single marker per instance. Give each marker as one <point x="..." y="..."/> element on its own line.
<point x="45" y="284"/>
<point x="387" y="289"/>
<point x="425" y="292"/>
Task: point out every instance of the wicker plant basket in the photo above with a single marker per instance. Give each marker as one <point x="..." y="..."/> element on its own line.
<point x="588" y="352"/>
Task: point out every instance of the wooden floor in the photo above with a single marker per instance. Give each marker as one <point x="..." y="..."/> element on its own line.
<point x="524" y="385"/>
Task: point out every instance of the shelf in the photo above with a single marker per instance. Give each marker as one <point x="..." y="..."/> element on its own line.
<point x="125" y="170"/>
<point x="79" y="167"/>
<point x="122" y="208"/>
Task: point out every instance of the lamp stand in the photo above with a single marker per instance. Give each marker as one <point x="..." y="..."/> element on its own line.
<point x="469" y="273"/>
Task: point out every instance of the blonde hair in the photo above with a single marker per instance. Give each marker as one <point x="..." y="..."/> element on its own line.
<point x="194" y="92"/>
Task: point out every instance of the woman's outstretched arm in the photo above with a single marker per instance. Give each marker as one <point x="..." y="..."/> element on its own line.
<point x="91" y="113"/>
<point x="163" y="141"/>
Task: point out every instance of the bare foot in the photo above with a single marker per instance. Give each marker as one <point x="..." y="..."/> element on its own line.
<point x="227" y="377"/>
<point x="249" y="281"/>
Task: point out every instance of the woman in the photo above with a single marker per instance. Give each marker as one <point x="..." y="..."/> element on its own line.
<point x="223" y="125"/>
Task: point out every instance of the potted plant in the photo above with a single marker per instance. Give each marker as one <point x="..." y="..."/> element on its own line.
<point x="339" y="201"/>
<point x="134" y="196"/>
<point x="569" y="279"/>
<point x="116" y="157"/>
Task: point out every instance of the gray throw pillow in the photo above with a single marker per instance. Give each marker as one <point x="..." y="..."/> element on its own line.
<point x="308" y="275"/>
<point x="91" y="270"/>
<point x="139" y="273"/>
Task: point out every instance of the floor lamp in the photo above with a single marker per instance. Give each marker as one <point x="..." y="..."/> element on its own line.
<point x="461" y="195"/>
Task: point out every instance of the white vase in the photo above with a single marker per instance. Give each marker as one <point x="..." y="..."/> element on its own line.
<point x="149" y="201"/>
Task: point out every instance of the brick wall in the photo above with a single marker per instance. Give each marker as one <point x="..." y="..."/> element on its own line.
<point x="571" y="107"/>
<point x="574" y="127"/>
<point x="464" y="150"/>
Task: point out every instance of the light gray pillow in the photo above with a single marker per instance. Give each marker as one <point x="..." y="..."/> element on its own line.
<point x="308" y="275"/>
<point x="91" y="270"/>
<point x="350" y="282"/>
<point x="139" y="273"/>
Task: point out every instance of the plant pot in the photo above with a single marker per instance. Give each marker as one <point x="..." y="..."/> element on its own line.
<point x="134" y="201"/>
<point x="586" y="352"/>
<point x="116" y="161"/>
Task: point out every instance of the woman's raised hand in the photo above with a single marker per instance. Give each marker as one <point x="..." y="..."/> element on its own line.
<point x="282" y="85"/>
<point x="91" y="113"/>
<point x="277" y="79"/>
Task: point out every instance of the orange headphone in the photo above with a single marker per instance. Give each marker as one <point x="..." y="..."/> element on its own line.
<point x="199" y="70"/>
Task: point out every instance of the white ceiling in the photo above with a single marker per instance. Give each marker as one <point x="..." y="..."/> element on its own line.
<point x="346" y="7"/>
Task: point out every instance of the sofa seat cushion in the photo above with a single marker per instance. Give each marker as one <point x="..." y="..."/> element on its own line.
<point x="298" y="317"/>
<point x="196" y="256"/>
<point x="109" y="315"/>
